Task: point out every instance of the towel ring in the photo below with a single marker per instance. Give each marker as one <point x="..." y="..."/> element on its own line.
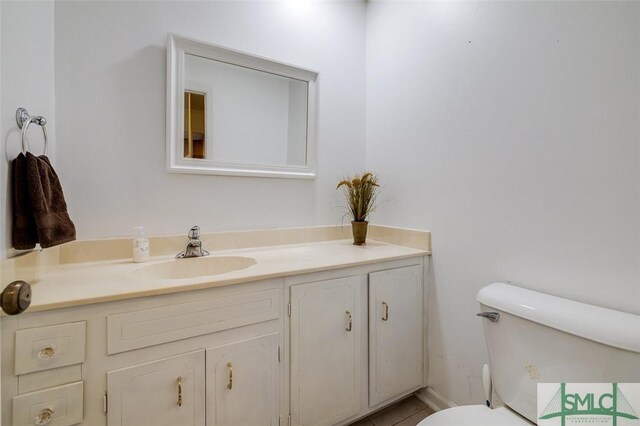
<point x="24" y="119"/>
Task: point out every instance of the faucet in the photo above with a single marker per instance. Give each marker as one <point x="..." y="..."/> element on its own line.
<point x="194" y="246"/>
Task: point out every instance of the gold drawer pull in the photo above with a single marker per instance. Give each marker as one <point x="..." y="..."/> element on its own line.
<point x="47" y="352"/>
<point x="349" y="321"/>
<point x="45" y="417"/>
<point x="179" y="391"/>
<point x="230" y="384"/>
<point x="385" y="317"/>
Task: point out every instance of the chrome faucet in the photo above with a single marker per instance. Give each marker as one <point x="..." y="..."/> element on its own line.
<point x="194" y="246"/>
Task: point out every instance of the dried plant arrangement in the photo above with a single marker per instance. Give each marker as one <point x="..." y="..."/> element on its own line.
<point x="360" y="192"/>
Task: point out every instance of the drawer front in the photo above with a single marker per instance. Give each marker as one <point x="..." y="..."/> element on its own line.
<point x="55" y="346"/>
<point x="134" y="330"/>
<point x="62" y="405"/>
<point x="49" y="378"/>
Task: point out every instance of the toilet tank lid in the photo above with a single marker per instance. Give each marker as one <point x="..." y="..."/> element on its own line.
<point x="607" y="326"/>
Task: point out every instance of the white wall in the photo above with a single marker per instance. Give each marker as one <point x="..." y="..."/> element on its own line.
<point x="110" y="106"/>
<point x="511" y="130"/>
<point x="26" y="70"/>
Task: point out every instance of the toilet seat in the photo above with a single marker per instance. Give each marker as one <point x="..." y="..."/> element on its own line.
<point x="474" y="415"/>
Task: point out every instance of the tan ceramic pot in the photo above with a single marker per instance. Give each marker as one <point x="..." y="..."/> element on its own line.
<point x="359" y="232"/>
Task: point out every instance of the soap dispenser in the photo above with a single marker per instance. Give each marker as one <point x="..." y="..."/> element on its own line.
<point x="140" y="245"/>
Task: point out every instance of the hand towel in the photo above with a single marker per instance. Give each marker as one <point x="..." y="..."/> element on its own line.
<point x="48" y="207"/>
<point x="23" y="228"/>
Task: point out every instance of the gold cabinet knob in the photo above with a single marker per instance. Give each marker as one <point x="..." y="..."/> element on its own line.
<point x="47" y="352"/>
<point x="45" y="417"/>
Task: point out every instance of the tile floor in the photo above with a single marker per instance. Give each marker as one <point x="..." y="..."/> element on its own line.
<point x="408" y="412"/>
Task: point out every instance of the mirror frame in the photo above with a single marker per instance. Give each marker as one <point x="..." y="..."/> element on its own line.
<point x="177" y="48"/>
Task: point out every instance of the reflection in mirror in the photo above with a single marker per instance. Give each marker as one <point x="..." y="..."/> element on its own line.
<point x="256" y="117"/>
<point x="234" y="113"/>
<point x="194" y="125"/>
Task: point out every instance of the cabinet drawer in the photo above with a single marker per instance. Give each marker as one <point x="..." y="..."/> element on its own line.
<point x="55" y="346"/>
<point x="134" y="330"/>
<point x="63" y="404"/>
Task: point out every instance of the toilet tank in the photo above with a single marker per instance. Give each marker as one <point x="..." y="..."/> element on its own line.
<point x="541" y="338"/>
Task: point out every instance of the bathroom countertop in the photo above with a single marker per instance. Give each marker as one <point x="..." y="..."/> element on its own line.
<point x="75" y="284"/>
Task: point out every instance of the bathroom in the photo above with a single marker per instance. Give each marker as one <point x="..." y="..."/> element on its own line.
<point x="510" y="130"/>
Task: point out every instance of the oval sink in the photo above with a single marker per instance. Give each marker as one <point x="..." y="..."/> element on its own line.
<point x="195" y="267"/>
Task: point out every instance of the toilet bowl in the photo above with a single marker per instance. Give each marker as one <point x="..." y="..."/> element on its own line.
<point x="533" y="337"/>
<point x="476" y="415"/>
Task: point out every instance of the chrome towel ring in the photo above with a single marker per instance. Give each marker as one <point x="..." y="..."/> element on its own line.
<point x="24" y="119"/>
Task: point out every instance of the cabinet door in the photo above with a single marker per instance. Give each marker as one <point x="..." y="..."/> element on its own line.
<point x="167" y="392"/>
<point x="243" y="383"/>
<point x="326" y="321"/>
<point x="395" y="332"/>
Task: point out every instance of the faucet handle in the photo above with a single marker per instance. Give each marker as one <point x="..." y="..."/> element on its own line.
<point x="194" y="232"/>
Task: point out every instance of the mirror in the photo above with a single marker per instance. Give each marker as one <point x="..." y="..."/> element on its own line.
<point x="232" y="113"/>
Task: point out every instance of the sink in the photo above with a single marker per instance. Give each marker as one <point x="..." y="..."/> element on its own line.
<point x="194" y="267"/>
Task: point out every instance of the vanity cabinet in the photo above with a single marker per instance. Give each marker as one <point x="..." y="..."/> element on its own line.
<point x="355" y="342"/>
<point x="326" y="333"/>
<point x="243" y="382"/>
<point x="162" y="360"/>
<point x="322" y="348"/>
<point x="166" y="392"/>
<point x="395" y="332"/>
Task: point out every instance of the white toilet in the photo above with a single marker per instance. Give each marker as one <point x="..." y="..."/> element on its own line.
<point x="541" y="338"/>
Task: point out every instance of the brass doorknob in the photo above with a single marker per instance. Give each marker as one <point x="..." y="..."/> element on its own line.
<point x="16" y="297"/>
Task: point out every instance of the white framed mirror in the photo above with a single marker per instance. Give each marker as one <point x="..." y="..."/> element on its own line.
<point x="233" y="113"/>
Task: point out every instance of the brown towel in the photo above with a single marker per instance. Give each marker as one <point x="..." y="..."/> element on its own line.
<point x="48" y="207"/>
<point x="24" y="231"/>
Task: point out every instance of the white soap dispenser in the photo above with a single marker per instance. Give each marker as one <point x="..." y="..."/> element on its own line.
<point x="140" y="245"/>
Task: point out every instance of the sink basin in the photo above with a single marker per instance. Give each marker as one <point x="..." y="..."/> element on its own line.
<point x="194" y="267"/>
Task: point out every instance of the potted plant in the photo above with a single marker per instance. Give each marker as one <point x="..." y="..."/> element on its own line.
<point x="360" y="192"/>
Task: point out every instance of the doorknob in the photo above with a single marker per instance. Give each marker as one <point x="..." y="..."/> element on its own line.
<point x="16" y="297"/>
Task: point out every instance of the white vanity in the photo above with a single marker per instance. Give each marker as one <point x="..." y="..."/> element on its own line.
<point x="314" y="332"/>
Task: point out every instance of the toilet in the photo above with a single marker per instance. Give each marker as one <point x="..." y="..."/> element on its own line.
<point x="539" y="338"/>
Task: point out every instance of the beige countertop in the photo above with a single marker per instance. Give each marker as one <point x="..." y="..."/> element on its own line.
<point x="61" y="283"/>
